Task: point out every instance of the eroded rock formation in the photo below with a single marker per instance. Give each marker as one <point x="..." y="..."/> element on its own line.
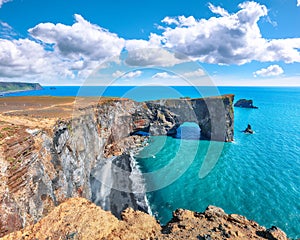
<point x="78" y="218"/>
<point x="88" y="154"/>
<point x="214" y="115"/>
<point x="244" y="103"/>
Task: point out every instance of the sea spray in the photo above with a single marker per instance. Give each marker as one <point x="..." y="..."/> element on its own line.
<point x="137" y="179"/>
<point x="118" y="183"/>
<point x="138" y="185"/>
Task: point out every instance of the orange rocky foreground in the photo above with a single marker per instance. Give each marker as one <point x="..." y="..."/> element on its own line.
<point x="77" y="218"/>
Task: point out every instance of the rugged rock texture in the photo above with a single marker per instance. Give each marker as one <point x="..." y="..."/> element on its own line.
<point x="78" y="218"/>
<point x="244" y="103"/>
<point x="88" y="154"/>
<point x="215" y="224"/>
<point x="214" y="115"/>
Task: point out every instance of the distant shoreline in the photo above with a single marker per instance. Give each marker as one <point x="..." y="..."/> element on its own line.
<point x="15" y="87"/>
<point x="3" y="94"/>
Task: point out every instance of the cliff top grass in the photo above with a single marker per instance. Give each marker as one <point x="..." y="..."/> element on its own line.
<point x="46" y="106"/>
<point x="43" y="111"/>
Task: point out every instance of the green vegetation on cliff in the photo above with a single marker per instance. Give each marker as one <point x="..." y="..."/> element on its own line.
<point x="18" y="86"/>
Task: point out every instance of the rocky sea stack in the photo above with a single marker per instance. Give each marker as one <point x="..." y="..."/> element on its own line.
<point x="244" y="103"/>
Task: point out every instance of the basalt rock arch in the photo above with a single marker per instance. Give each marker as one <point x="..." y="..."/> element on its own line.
<point x="214" y="115"/>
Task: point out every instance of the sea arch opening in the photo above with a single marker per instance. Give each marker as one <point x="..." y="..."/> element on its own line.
<point x="188" y="131"/>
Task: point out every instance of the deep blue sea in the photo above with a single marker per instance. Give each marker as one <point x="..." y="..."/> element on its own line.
<point x="257" y="175"/>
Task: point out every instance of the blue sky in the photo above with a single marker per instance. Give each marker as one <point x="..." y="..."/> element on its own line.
<point x="233" y="42"/>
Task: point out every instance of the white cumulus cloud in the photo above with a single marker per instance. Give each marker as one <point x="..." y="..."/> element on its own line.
<point x="133" y="74"/>
<point x="28" y="60"/>
<point x="20" y="57"/>
<point x="181" y="21"/>
<point x="298" y="3"/>
<point x="149" y="53"/>
<point x="229" y="38"/>
<point x="169" y="21"/>
<point x="118" y="74"/>
<point x="273" y="70"/>
<point x="82" y="39"/>
<point x="164" y="75"/>
<point x="56" y="51"/>
<point x="168" y="78"/>
<point x="198" y="73"/>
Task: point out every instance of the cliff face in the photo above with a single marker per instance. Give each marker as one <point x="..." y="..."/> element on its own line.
<point x="214" y="115"/>
<point x="80" y="219"/>
<point x="89" y="155"/>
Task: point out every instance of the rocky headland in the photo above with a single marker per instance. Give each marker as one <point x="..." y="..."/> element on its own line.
<point x="7" y="87"/>
<point x="54" y="149"/>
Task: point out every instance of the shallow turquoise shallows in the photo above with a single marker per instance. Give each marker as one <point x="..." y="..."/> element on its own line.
<point x="257" y="175"/>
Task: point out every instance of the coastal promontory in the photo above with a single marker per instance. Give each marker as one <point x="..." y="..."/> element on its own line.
<point x="54" y="149"/>
<point x="6" y="87"/>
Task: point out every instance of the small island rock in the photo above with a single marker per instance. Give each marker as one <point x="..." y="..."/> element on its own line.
<point x="248" y="129"/>
<point x="244" y="103"/>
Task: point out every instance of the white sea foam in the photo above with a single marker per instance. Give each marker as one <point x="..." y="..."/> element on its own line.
<point x="138" y="184"/>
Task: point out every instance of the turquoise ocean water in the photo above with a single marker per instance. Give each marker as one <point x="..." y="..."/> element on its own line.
<point x="257" y="175"/>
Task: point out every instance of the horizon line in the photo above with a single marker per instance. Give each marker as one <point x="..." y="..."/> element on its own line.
<point x="46" y="85"/>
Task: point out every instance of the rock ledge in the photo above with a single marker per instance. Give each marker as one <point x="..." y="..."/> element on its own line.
<point x="77" y="218"/>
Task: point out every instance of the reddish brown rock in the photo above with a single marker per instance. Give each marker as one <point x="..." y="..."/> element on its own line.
<point x="78" y="218"/>
<point x="10" y="219"/>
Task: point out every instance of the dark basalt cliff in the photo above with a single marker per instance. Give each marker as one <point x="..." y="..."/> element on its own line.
<point x="89" y="155"/>
<point x="214" y="115"/>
